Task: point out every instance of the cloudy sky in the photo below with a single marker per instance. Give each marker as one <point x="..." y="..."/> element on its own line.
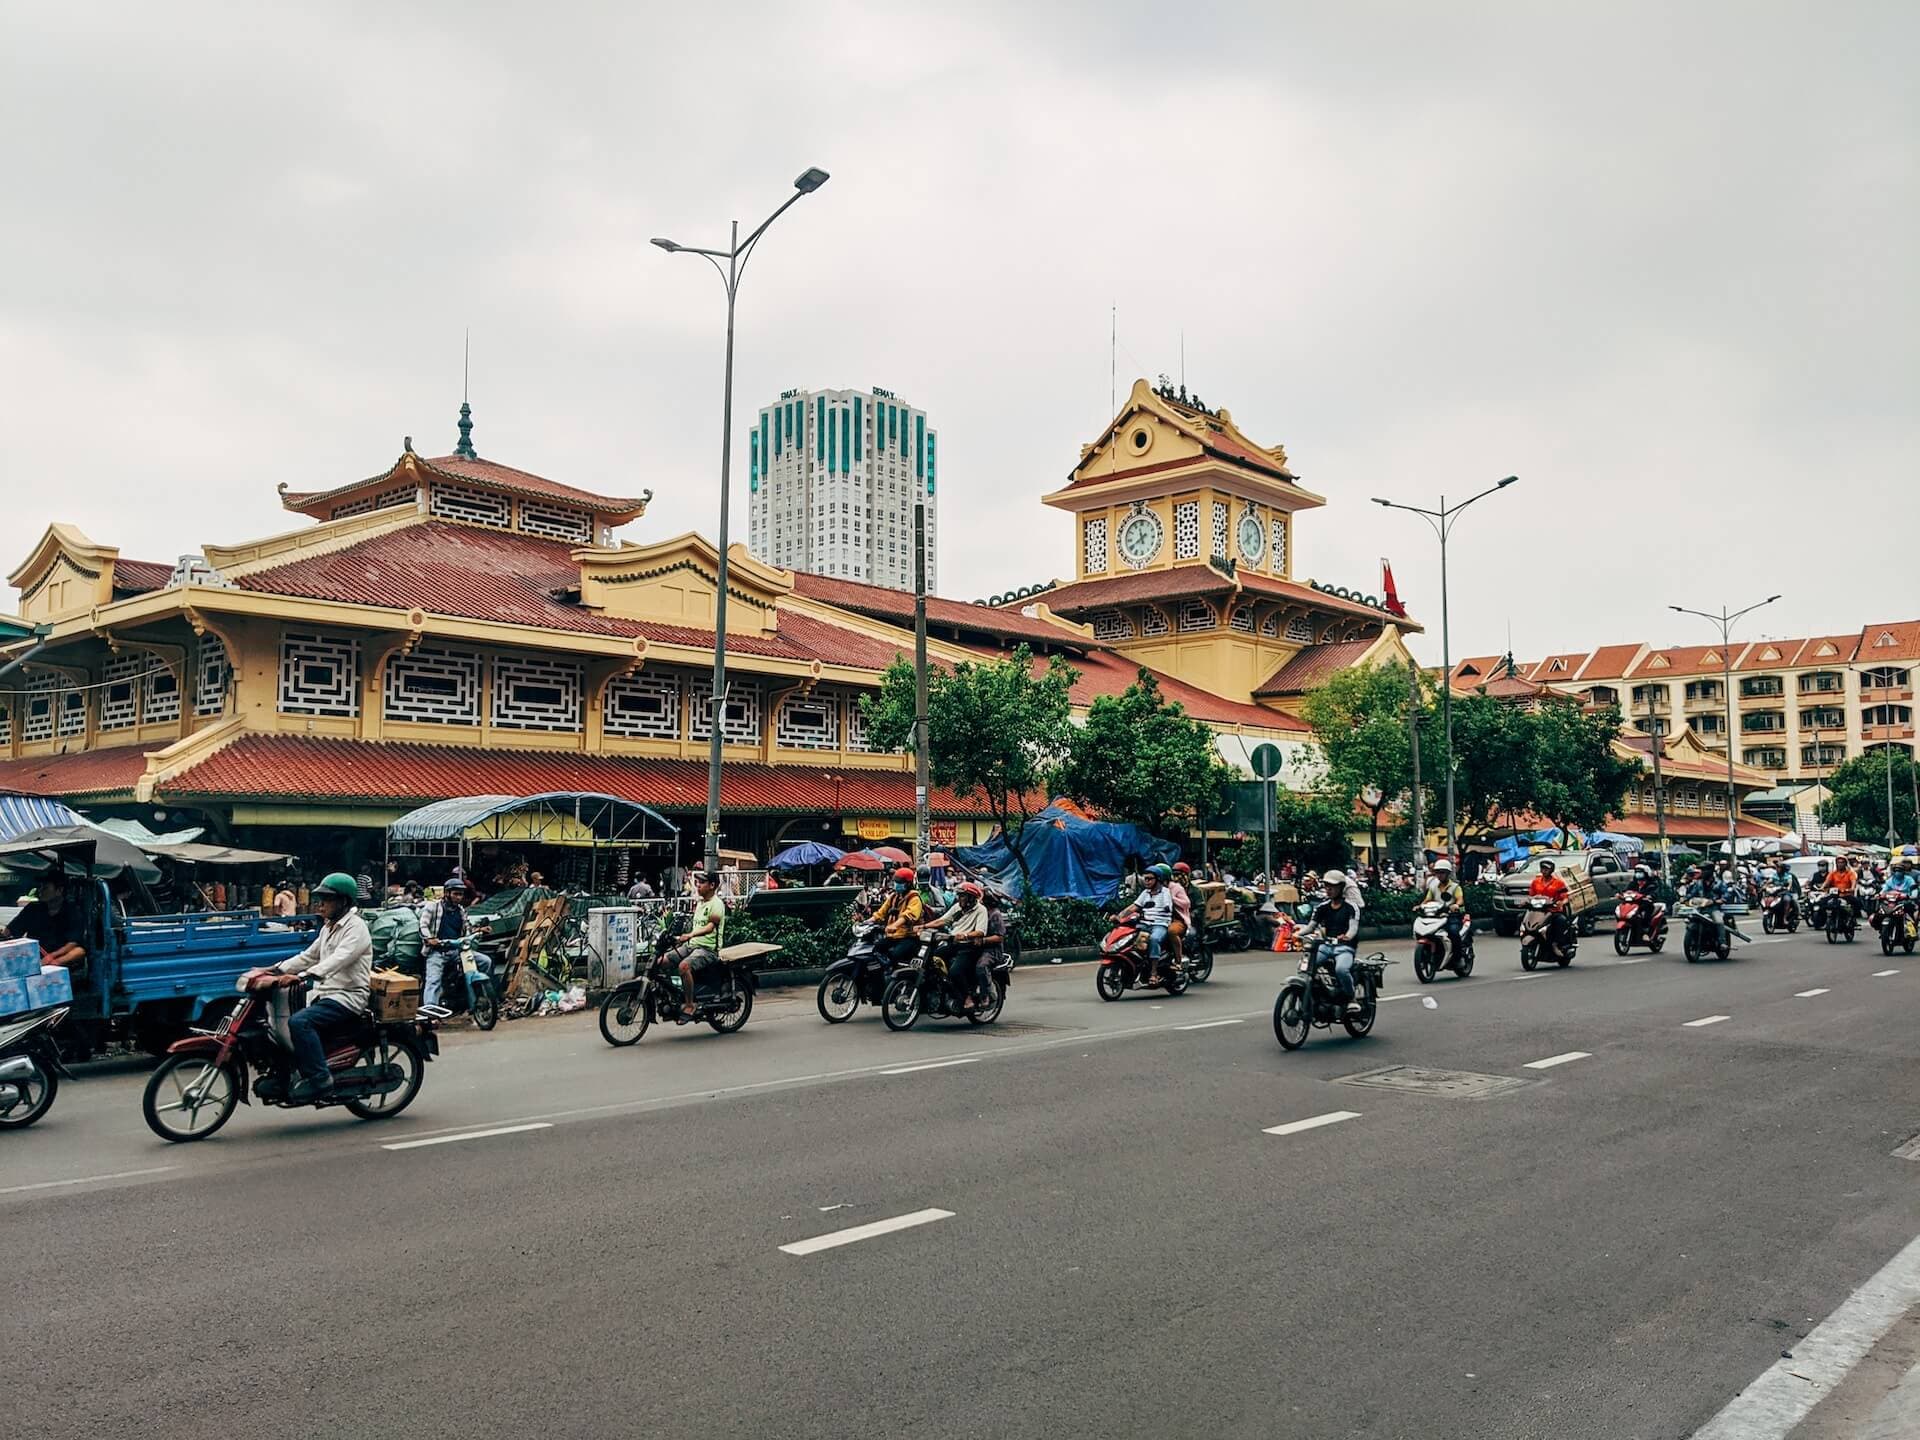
<point x="1658" y="260"/>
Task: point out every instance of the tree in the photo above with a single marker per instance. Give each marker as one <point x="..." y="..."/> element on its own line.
<point x="1580" y="778"/>
<point x="1857" y="795"/>
<point x="1359" y="718"/>
<point x="1142" y="759"/>
<point x="1496" y="771"/>
<point x="1310" y="830"/>
<point x="995" y="728"/>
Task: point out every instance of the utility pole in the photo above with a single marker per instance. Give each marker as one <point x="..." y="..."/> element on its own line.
<point x="1659" y="788"/>
<point x="1725" y="620"/>
<point x="922" y="830"/>
<point x="1893" y="836"/>
<point x="1413" y="745"/>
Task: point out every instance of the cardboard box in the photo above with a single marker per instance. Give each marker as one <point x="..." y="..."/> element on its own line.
<point x="395" y="996"/>
<point x="52" y="986"/>
<point x="19" y="959"/>
<point x="13" y="996"/>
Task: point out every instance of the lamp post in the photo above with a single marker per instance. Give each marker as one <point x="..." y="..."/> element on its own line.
<point x="1442" y="522"/>
<point x="1725" y="621"/>
<point x="736" y="255"/>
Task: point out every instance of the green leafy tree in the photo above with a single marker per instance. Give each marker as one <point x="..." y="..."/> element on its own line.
<point x="995" y="728"/>
<point x="1857" y="796"/>
<point x="1580" y="778"/>
<point x="1141" y="758"/>
<point x="1310" y="830"/>
<point x="1359" y="718"/>
<point x="1496" y="768"/>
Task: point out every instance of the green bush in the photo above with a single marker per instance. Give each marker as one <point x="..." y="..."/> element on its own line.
<point x="811" y="944"/>
<point x="1395" y="907"/>
<point x="1060" y="924"/>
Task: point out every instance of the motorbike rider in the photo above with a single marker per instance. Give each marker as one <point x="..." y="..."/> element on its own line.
<point x="1177" y="881"/>
<point x="1904" y="880"/>
<point x="701" y="947"/>
<point x="1443" y="887"/>
<point x="339" y="963"/>
<point x="1549" y="884"/>
<point x="903" y="914"/>
<point x="1154" y="906"/>
<point x="443" y="925"/>
<point x="1843" y="883"/>
<point x="1338" y="920"/>
<point x="973" y="936"/>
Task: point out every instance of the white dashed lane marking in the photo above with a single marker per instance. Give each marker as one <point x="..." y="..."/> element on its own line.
<point x="467" y="1135"/>
<point x="1294" y="1127"/>
<point x="1705" y="1020"/>
<point x="836" y="1238"/>
<point x="931" y="1065"/>
<point x="1553" y="1060"/>
<point x="1878" y="973"/>
<point x="1211" y="1024"/>
<point x="1809" y="994"/>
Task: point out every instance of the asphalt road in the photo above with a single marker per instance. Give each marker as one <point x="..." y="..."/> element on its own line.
<point x="1105" y="1237"/>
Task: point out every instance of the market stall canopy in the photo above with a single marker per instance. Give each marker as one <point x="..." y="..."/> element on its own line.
<point x="21" y="813"/>
<point x="860" y="860"/>
<point x="82" y="850"/>
<point x="138" y="834"/>
<point x="217" y="854"/>
<point x="1068" y="856"/>
<point x="807" y="852"/>
<point x="560" y="817"/>
<point x="890" y="854"/>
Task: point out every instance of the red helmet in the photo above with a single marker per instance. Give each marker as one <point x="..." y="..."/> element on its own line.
<point x="1180" y="867"/>
<point x="968" y="887"/>
<point x="905" y="872"/>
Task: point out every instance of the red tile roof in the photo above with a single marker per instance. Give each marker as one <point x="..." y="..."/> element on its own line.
<point x="1313" y="667"/>
<point x="137" y="576"/>
<point x="316" y="768"/>
<point x="78" y="773"/>
<point x="1083" y="596"/>
<point x="486" y="472"/>
<point x="1106" y="672"/>
<point x="896" y="606"/>
<point x="1905" y="635"/>
<point x="1228" y="448"/>
<point x="480" y="574"/>
<point x="1647" y="827"/>
<point x="1682" y="660"/>
<point x="1544" y="671"/>
<point x="1609" y="662"/>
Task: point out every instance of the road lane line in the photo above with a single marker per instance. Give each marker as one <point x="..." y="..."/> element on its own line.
<point x="1787" y="1390"/>
<point x="1878" y="973"/>
<point x="1211" y="1024"/>
<point x="1294" y="1127"/>
<point x="1705" y="1020"/>
<point x="1809" y="994"/>
<point x="86" y="1180"/>
<point x="468" y="1135"/>
<point x="1553" y="1060"/>
<point x="1638" y="960"/>
<point x="1406" y="995"/>
<point x="931" y="1065"/>
<point x="834" y="1239"/>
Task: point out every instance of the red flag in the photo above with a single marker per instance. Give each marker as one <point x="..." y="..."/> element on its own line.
<point x="1394" y="607"/>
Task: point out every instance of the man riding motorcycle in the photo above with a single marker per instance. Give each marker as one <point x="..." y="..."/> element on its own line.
<point x="1154" y="906"/>
<point x="1338" y="920"/>
<point x="1443" y="887"/>
<point x="975" y="932"/>
<point x="903" y="914"/>
<point x="1904" y="880"/>
<point x="443" y="924"/>
<point x="339" y="962"/>
<point x="1549" y="884"/>
<point x="1845" y="883"/>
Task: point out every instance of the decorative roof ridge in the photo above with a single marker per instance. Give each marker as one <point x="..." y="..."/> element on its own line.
<point x="249" y="557"/>
<point x="303" y="501"/>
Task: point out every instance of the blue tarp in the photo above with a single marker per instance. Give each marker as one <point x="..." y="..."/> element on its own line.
<point x="21" y="813"/>
<point x="1069" y="857"/>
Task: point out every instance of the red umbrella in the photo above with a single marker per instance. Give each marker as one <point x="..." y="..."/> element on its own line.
<point x="860" y="860"/>
<point x="891" y="854"/>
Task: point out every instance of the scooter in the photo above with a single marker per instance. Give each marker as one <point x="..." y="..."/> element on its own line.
<point x="377" y="1067"/>
<point x="924" y="986"/>
<point x="1311" y="998"/>
<point x="1430" y="943"/>
<point x="1124" y="964"/>
<point x="1778" y="910"/>
<point x="1894" y="919"/>
<point x="30" y="1068"/>
<point x="722" y="999"/>
<point x="1711" y="930"/>
<point x="1639" y="919"/>
<point x="859" y="975"/>
<point x="1536" y="936"/>
<point x="1835" y="915"/>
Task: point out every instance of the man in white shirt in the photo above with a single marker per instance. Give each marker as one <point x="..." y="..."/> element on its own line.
<point x="339" y="963"/>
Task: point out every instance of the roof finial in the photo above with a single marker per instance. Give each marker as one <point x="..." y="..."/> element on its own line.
<point x="464" y="450"/>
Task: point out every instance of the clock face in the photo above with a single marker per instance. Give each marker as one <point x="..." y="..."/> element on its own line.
<point x="1140" y="538"/>
<point x="1253" y="537"/>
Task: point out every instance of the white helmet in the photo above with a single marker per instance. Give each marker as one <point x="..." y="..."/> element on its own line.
<point x="1333" y="877"/>
<point x="1443" y="867"/>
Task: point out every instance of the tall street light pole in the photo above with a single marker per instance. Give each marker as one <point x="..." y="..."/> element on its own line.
<point x="735" y="255"/>
<point x="1725" y="621"/>
<point x="1442" y="522"/>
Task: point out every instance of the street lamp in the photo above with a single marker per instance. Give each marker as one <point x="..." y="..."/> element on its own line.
<point x="1725" y="622"/>
<point x="735" y="255"/>
<point x="1442" y="522"/>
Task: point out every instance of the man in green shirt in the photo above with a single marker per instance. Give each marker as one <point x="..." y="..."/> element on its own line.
<point x="701" y="948"/>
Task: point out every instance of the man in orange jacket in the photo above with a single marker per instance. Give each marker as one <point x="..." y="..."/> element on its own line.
<point x="1549" y="884"/>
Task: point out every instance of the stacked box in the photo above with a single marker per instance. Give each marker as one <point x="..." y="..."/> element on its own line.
<point x="395" y="996"/>
<point x="13" y="996"/>
<point x="19" y="959"/>
<point x="52" y="986"/>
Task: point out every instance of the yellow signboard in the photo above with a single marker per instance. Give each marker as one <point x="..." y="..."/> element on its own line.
<point x="873" y="829"/>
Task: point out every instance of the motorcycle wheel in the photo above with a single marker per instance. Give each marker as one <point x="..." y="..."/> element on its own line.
<point x="1690" y="946"/>
<point x="1793" y="924"/>
<point x="988" y="1013"/>
<point x="165" y="1103"/>
<point x="1766" y="921"/>
<point x="624" y="1015"/>
<point x="1833" y="933"/>
<point x="485" y="1009"/>
<point x="1200" y="969"/>
<point x="1566" y="959"/>
<point x="1529" y="955"/>
<point x="1175" y="982"/>
<point x="900" y="1006"/>
<point x="36" y="1098"/>
<point x="1886" y="942"/>
<point x="1465" y="967"/>
<point x="730" y="1022"/>
<point x="1291" y="1024"/>
<point x="413" y="1066"/>
<point x="1359" y="1025"/>
<point x="1423" y="965"/>
<point x="1622" y="941"/>
<point x="1724" y="949"/>
<point x="1240" y="937"/>
<point x="1658" y="942"/>
<point x="838" y="997"/>
<point x="1109" y="982"/>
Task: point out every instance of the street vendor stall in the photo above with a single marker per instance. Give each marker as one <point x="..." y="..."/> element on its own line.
<point x="572" y="821"/>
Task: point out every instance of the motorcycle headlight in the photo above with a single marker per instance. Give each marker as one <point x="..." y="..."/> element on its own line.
<point x="1303" y="962"/>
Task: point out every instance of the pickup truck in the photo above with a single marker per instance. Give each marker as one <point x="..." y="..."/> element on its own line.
<point x="1602" y="869"/>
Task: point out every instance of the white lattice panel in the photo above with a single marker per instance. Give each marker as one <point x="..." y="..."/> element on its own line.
<point x="385" y="500"/>
<point x="6" y="723"/>
<point x="531" y="692"/>
<point x="556" y="522"/>
<point x="1300" y="629"/>
<point x="1277" y="544"/>
<point x="43" y="699"/>
<point x="1270" y="627"/>
<point x="1220" y="516"/>
<point x="644" y="706"/>
<point x="434" y="684"/>
<point x="809" y="722"/>
<point x="73" y="713"/>
<point x="120" y="691"/>
<point x="1242" y="619"/>
<point x="1198" y="615"/>
<point x="212" y="676"/>
<point x="1113" y="625"/>
<point x="1153" y="621"/>
<point x="162" y="699"/>
<point x="463" y="502"/>
<point x="1096" y="532"/>
<point x="741" y="725"/>
<point x="1186" y="530"/>
<point x="857" y="740"/>
<point x="319" y="674"/>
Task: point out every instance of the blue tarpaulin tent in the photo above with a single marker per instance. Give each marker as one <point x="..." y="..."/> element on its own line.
<point x="1068" y="856"/>
<point x="21" y="813"/>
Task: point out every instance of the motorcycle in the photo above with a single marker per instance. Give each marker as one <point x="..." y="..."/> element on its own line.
<point x="1711" y="930"/>
<point x="1639" y="919"/>
<point x="1123" y="963"/>
<point x="1312" y="997"/>
<point x="467" y="985"/>
<point x="377" y="1067"/>
<point x="1835" y="915"/>
<point x="859" y="975"/>
<point x="924" y="986"/>
<point x="1431" y="943"/>
<point x="722" y="998"/>
<point x="30" y="1068"/>
<point x="1536" y="936"/>
<point x="1778" y="910"/>
<point x="1895" y="922"/>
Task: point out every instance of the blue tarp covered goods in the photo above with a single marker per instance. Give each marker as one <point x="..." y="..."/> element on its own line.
<point x="1068" y="856"/>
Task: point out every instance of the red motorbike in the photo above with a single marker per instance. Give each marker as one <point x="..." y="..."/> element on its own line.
<point x="1124" y="965"/>
<point x="1639" y="919"/>
<point x="377" y="1068"/>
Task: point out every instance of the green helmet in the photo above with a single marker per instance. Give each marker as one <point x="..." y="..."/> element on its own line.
<point x="341" y="885"/>
<point x="1165" y="872"/>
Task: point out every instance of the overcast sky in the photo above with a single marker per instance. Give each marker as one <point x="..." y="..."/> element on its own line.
<point x="1658" y="260"/>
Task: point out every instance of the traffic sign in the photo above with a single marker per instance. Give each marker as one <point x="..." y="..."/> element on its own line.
<point x="1266" y="761"/>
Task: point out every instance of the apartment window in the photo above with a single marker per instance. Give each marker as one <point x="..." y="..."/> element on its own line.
<point x="1649" y="694"/>
<point x="1762" y="721"/>
<point x="1603" y="695"/>
<point x="1703" y="690"/>
<point x="1822" y="682"/>
<point x="1887" y="715"/>
<point x="1769" y="757"/>
<point x="1710" y="724"/>
<point x="1825" y="717"/>
<point x="1885" y="677"/>
<point x="1822" y="756"/>
<point x="1758" y="685"/>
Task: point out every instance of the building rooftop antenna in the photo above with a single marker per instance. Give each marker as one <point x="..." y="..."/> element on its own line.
<point x="464" y="449"/>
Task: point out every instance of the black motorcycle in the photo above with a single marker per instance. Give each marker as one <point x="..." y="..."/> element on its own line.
<point x="925" y="986"/>
<point x="30" y="1068"/>
<point x="1835" y="915"/>
<point x="858" y="976"/>
<point x="1893" y="919"/>
<point x="723" y="992"/>
<point x="1778" y="912"/>
<point x="1311" y="998"/>
<point x="1711" y="929"/>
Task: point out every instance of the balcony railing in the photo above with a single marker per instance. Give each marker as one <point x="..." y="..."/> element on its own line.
<point x="1876" y="733"/>
<point x="1768" y="689"/>
<point x="1885" y="694"/>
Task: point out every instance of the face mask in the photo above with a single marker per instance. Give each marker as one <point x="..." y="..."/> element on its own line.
<point x="899" y="887"/>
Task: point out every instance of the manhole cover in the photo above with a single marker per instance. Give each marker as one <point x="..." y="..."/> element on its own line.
<point x="1455" y="1084"/>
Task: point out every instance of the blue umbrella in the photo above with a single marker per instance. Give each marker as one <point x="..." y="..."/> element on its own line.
<point x="807" y="852"/>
